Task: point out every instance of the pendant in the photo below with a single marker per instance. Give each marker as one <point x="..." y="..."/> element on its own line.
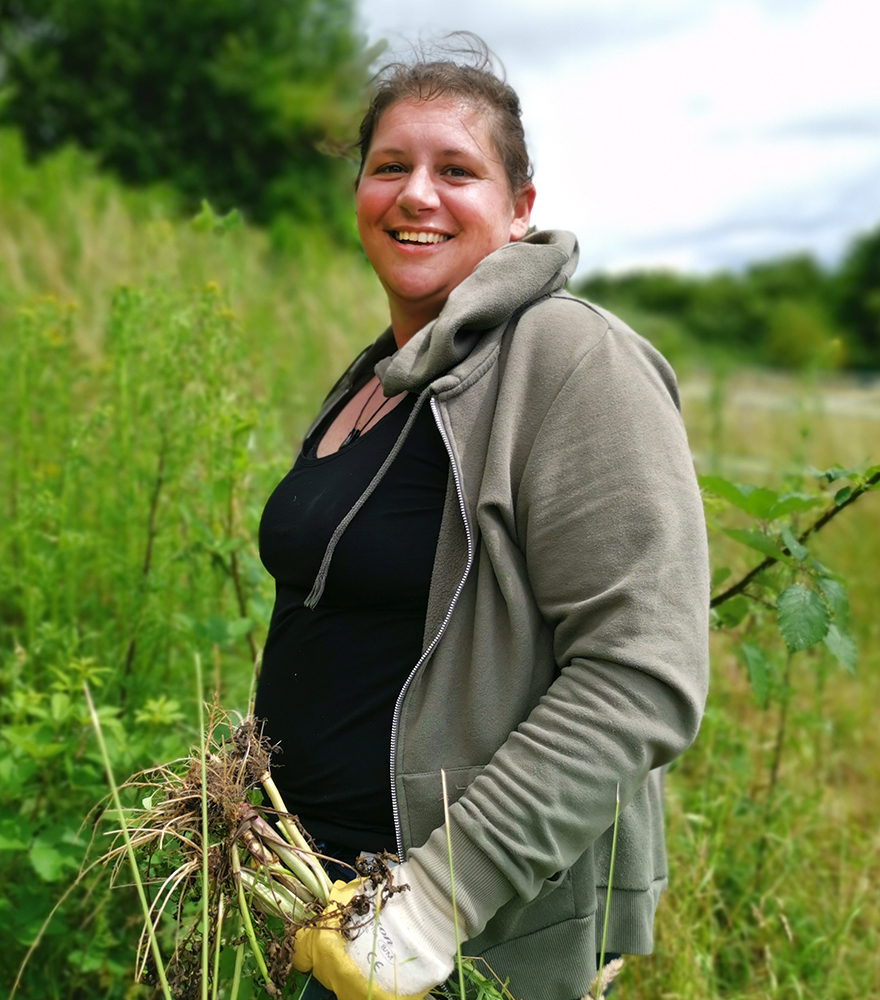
<point x="352" y="435"/>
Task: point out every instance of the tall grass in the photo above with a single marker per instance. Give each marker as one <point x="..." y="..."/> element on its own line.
<point x="159" y="376"/>
<point x="773" y="845"/>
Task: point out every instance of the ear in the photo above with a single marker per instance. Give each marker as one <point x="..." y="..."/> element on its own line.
<point x="522" y="211"/>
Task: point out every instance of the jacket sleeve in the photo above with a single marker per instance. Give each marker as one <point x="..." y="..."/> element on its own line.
<point x="608" y="515"/>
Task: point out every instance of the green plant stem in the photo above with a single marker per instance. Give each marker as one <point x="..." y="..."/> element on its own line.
<point x="236" y="973"/>
<point x="375" y="949"/>
<point x="452" y="886"/>
<point x="246" y="916"/>
<point x="148" y="551"/>
<point x="318" y="884"/>
<point x="255" y="676"/>
<point x="205" y="845"/>
<point x="608" y="895"/>
<point x="817" y="525"/>
<point x="129" y="849"/>
<point x="217" y="941"/>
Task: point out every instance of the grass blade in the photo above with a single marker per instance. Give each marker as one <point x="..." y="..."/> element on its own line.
<point x="599" y="979"/>
<point x="205" y="890"/>
<point x="142" y="895"/>
<point x="458" y="962"/>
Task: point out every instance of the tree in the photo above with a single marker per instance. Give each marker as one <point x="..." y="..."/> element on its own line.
<point x="227" y="99"/>
<point x="858" y="305"/>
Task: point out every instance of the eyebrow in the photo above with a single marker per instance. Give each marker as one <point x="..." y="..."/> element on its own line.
<point x="393" y="151"/>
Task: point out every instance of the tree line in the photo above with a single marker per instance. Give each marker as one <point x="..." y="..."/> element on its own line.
<point x="791" y="312"/>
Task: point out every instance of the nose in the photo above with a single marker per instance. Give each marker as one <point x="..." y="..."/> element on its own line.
<point x="419" y="193"/>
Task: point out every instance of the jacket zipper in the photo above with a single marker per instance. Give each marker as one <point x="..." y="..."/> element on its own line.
<point x="398" y="706"/>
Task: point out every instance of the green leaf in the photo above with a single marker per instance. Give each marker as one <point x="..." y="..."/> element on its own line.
<point x="239" y="627"/>
<point x="841" y="646"/>
<point x="756" y="540"/>
<point x="757" y="501"/>
<point x="47" y="862"/>
<point x="799" y="551"/>
<point x="758" y="670"/>
<point x="841" y="496"/>
<point x="719" y="576"/>
<point x="836" y="472"/>
<point x="835" y="594"/>
<point x="12" y="838"/>
<point x="732" y="612"/>
<point x="794" y="503"/>
<point x="36" y="741"/>
<point x="802" y="617"/>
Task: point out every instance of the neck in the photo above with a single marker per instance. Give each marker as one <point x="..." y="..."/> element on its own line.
<point x="405" y="323"/>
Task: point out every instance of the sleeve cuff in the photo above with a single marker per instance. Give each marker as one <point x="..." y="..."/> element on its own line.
<point x="480" y="888"/>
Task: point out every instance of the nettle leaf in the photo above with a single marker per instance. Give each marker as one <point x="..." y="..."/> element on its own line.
<point x="841" y="646"/>
<point x="794" y="503"/>
<point x="841" y="496"/>
<point x="757" y="501"/>
<point x="758" y="670"/>
<point x="732" y="612"/>
<point x="756" y="540"/>
<point x="796" y="548"/>
<point x="836" y="472"/>
<point x="802" y="617"/>
<point x="835" y="593"/>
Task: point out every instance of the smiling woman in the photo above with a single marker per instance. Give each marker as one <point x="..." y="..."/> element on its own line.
<point x="433" y="200"/>
<point x="490" y="561"/>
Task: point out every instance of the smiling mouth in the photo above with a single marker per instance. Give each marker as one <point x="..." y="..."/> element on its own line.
<point x="404" y="236"/>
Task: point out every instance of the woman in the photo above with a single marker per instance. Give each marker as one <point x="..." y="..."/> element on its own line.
<point x="490" y="559"/>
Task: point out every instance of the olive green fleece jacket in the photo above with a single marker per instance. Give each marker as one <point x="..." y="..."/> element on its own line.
<point x="566" y="637"/>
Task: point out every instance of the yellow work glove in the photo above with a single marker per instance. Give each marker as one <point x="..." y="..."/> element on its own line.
<point x="407" y="949"/>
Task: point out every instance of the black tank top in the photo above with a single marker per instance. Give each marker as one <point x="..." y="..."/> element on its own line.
<point x="331" y="675"/>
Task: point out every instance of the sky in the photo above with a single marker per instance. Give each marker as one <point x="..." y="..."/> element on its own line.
<point x="687" y="134"/>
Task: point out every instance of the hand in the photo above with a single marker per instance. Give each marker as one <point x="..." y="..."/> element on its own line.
<point x="406" y="949"/>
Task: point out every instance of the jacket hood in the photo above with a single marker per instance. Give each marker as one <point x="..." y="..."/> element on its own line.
<point x="511" y="277"/>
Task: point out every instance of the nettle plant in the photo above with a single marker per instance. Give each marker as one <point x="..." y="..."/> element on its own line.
<point x="791" y="591"/>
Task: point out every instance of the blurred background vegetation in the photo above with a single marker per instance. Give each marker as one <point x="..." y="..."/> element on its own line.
<point x="179" y="285"/>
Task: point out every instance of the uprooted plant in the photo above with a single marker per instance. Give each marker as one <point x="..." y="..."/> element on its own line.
<point x="241" y="875"/>
<point x="232" y="872"/>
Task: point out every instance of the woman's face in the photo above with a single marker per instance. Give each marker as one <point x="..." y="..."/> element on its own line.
<point x="432" y="202"/>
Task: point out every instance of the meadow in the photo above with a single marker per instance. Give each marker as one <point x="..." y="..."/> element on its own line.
<point x="159" y="374"/>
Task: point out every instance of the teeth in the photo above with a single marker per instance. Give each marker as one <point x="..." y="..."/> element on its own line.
<point x="407" y="237"/>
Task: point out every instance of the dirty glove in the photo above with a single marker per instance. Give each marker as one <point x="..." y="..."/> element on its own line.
<point x="407" y="949"/>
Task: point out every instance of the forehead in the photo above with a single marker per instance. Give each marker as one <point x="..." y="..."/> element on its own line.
<point x="441" y="120"/>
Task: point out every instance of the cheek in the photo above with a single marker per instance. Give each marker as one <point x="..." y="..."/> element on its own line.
<point x="368" y="204"/>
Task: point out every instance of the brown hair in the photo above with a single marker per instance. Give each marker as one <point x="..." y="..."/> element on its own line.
<point x="473" y="81"/>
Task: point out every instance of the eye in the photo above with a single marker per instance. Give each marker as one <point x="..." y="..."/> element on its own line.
<point x="390" y="168"/>
<point x="457" y="172"/>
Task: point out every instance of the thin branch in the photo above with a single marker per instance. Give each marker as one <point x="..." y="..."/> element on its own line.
<point x="817" y="525"/>
<point x="235" y="572"/>
<point x="158" y="483"/>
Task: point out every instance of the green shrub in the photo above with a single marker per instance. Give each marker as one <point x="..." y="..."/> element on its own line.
<point x="225" y="100"/>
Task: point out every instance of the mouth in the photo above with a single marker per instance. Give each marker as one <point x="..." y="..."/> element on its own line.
<point x="407" y="236"/>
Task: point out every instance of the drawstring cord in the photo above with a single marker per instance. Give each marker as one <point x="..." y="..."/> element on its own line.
<point x="321" y="579"/>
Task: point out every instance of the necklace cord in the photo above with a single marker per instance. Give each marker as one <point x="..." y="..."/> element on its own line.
<point x="356" y="431"/>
